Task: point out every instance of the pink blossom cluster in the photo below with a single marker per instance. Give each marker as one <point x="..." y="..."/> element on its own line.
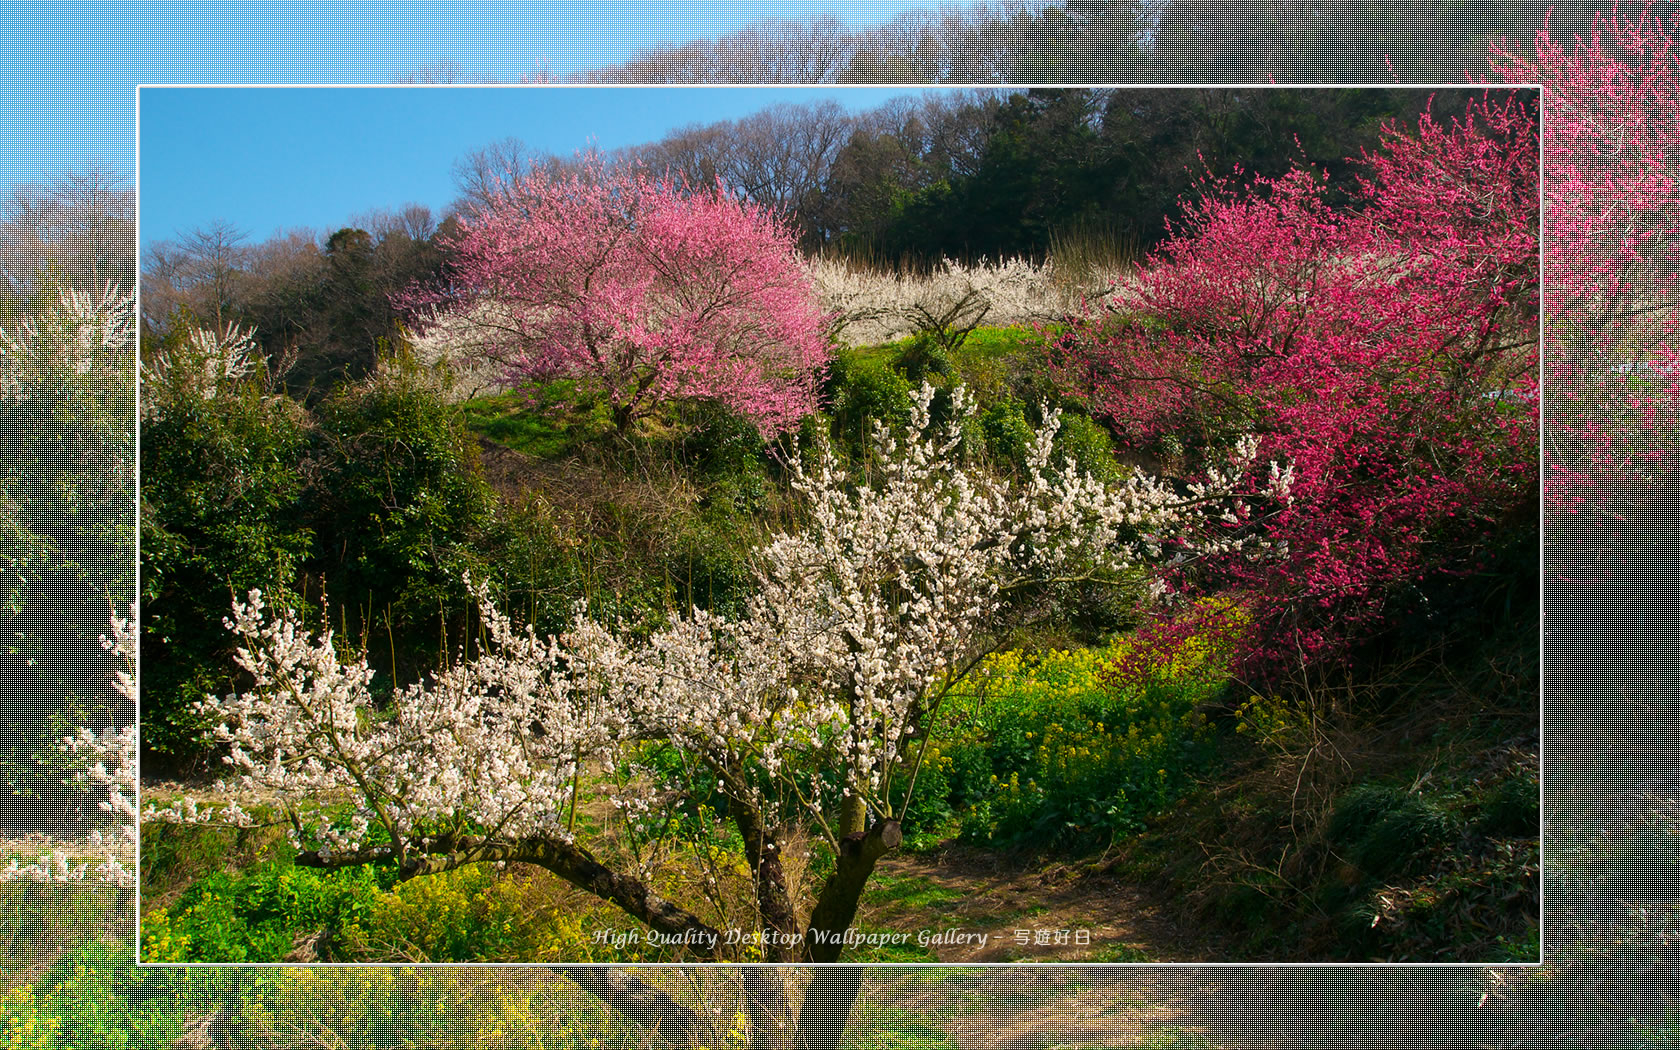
<point x="1611" y="102"/>
<point x="1386" y="350"/>
<point x="643" y="290"/>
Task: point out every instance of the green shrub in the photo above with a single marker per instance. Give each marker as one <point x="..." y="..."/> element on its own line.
<point x="1087" y="444"/>
<point x="1007" y="435"/>
<point x="1385" y="829"/>
<point x="398" y="502"/>
<point x="477" y="913"/>
<point x="221" y="490"/>
<point x="66" y="539"/>
<point x="536" y="562"/>
<point x="258" y="916"/>
<point x="1513" y="808"/>
<point x="923" y="358"/>
<point x="859" y="390"/>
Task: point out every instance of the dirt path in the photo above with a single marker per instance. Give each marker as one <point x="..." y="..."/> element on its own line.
<point x="998" y="910"/>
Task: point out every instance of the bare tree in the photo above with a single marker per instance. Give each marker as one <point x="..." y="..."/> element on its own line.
<point x="412" y="220"/>
<point x="778" y="157"/>
<point x="815" y="51"/>
<point x="784" y="151"/>
<point x="481" y="174"/>
<point x="925" y="45"/>
<point x="213" y="261"/>
<point x="441" y="71"/>
<point x="77" y="227"/>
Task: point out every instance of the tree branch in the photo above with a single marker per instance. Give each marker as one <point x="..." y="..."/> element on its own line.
<point x="660" y="1015"/>
<point x="569" y="861"/>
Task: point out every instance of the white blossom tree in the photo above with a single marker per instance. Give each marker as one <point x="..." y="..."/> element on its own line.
<point x="113" y="757"/>
<point x="803" y="713"/>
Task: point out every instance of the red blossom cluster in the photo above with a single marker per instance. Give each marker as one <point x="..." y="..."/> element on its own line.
<point x="1384" y="346"/>
<point x="1611" y="106"/>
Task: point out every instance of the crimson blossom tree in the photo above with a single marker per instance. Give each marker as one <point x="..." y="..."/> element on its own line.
<point x="643" y="290"/>
<point x="1612" y="102"/>
<point x="1385" y="349"/>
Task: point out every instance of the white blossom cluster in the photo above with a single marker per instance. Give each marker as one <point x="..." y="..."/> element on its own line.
<point x="471" y="347"/>
<point x="872" y="306"/>
<point x="189" y="810"/>
<point x="893" y="586"/>
<point x="494" y="744"/>
<point x="67" y="338"/>
<point x="201" y="366"/>
<point x="114" y="766"/>
<point x="861" y="620"/>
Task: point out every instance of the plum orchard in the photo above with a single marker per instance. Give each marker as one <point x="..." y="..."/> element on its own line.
<point x="800" y="714"/>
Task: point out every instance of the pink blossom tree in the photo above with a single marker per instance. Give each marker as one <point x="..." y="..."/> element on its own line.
<point x="1612" y="101"/>
<point x="1386" y="351"/>
<point x="644" y="291"/>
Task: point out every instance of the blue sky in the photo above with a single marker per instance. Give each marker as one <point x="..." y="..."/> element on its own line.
<point x="68" y="70"/>
<point x="270" y="159"/>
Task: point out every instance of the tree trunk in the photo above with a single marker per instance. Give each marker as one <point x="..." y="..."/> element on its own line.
<point x="828" y="1006"/>
<point x="767" y="1007"/>
<point x="836" y="905"/>
<point x="829" y="999"/>
<point x="766" y="991"/>
<point x="663" y="1018"/>
<point x="854" y="816"/>
<point x="779" y="926"/>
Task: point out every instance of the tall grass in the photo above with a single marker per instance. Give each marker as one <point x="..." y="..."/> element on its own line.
<point x="1085" y="257"/>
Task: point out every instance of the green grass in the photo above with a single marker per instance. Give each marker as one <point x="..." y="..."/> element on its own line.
<point x="1171" y="1038"/>
<point x="912" y="891"/>
<point x="510" y="419"/>
<point x="879" y="1024"/>
<point x="1046" y="750"/>
<point x="38" y="916"/>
